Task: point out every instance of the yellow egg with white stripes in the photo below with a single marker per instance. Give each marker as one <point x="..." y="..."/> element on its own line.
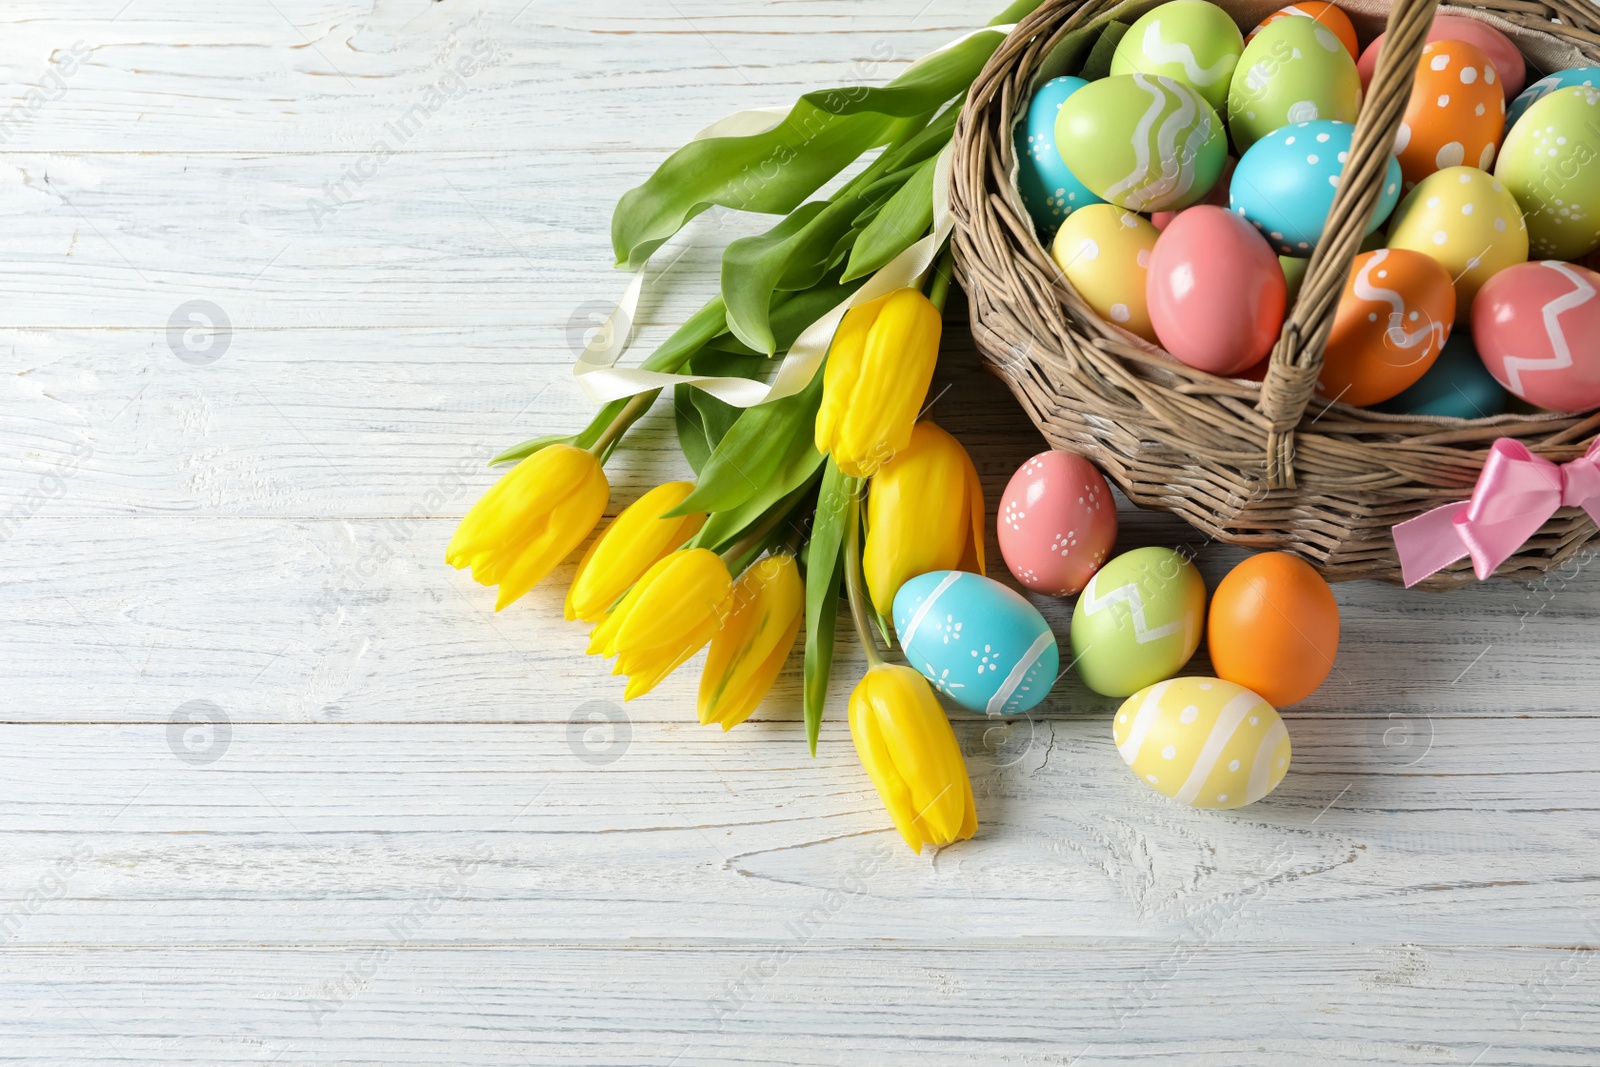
<point x="1204" y="741"/>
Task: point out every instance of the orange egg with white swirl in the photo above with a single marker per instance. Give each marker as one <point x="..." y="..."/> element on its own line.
<point x="1391" y="323"/>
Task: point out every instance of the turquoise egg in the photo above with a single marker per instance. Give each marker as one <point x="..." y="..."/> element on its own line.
<point x="1286" y="182"/>
<point x="1049" y="189"/>
<point x="1542" y="88"/>
<point x="1457" y="386"/>
<point x="980" y="644"/>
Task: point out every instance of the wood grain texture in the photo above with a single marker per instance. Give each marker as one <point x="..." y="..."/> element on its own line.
<point x="424" y="833"/>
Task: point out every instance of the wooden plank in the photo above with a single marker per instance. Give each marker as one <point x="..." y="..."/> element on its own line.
<point x="1018" y="1000"/>
<point x="591" y="831"/>
<point x="310" y="75"/>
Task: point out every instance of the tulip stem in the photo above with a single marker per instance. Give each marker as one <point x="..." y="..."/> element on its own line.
<point x="940" y="289"/>
<point x="852" y="576"/>
<point x="625" y="418"/>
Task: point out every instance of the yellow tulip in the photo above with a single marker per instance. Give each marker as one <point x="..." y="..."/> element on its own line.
<point x="633" y="542"/>
<point x="668" y="616"/>
<point x="876" y="379"/>
<point x="748" y="652"/>
<point x="924" y="513"/>
<point x="530" y="520"/>
<point x="910" y="753"/>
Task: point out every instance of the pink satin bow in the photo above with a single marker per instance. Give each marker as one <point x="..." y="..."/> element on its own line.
<point x="1517" y="492"/>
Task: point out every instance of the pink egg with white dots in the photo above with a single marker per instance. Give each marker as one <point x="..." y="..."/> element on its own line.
<point x="1057" y="523"/>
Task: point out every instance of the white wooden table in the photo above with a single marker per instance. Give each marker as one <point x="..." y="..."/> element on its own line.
<point x="403" y="841"/>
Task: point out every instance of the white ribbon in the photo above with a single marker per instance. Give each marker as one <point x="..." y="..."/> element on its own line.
<point x="602" y="381"/>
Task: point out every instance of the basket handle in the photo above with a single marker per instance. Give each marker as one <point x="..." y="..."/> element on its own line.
<point x="1297" y="357"/>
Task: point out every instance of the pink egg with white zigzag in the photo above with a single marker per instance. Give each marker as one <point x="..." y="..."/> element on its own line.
<point x="1537" y="328"/>
<point x="1057" y="523"/>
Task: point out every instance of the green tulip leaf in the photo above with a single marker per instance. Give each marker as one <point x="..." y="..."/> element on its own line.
<point x="774" y="172"/>
<point x="767" y="453"/>
<point x="905" y="218"/>
<point x="824" y="571"/>
<point x="1098" y="65"/>
<point x="691" y="428"/>
<point x="702" y="420"/>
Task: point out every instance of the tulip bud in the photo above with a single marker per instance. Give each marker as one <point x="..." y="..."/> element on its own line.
<point x="530" y="520"/>
<point x="668" y="616"/>
<point x="634" y="541"/>
<point x="876" y="379"/>
<point x="746" y="655"/>
<point x="910" y="753"/>
<point x="924" y="513"/>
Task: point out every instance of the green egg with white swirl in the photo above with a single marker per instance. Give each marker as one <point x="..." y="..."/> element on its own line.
<point x="1144" y="142"/>
<point x="1190" y="41"/>
<point x="1294" y="70"/>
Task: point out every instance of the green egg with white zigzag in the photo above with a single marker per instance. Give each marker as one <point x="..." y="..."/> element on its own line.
<point x="1138" y="621"/>
<point x="1144" y="142"/>
<point x="1190" y="41"/>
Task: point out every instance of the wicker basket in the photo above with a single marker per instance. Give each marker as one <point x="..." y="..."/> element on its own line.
<point x="1266" y="466"/>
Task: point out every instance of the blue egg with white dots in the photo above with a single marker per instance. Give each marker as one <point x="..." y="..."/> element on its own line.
<point x="980" y="643"/>
<point x="1285" y="183"/>
<point x="1561" y="79"/>
<point x="1049" y="188"/>
<point x="1457" y="386"/>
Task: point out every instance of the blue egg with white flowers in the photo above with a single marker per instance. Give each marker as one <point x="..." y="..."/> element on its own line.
<point x="1457" y="386"/>
<point x="980" y="643"/>
<point x="1049" y="188"/>
<point x="1561" y="79"/>
<point x="1285" y="183"/>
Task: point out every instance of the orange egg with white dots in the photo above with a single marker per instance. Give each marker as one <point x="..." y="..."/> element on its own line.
<point x="1456" y="115"/>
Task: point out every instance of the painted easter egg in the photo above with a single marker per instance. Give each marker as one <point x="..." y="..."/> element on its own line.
<point x="1318" y="11"/>
<point x="1217" y="197"/>
<point x="1048" y="187"/>
<point x="980" y="644"/>
<point x="1217" y="294"/>
<point x="1190" y="41"/>
<point x="1392" y="321"/>
<point x="1510" y="69"/>
<point x="1105" y="253"/>
<point x="1296" y="70"/>
<point x="1057" y="523"/>
<point x="1203" y="741"/>
<point x="1536" y="326"/>
<point x="1457" y="386"/>
<point x="1561" y="79"/>
<point x="1466" y="220"/>
<point x="1274" y="627"/>
<point x="1138" y="621"/>
<point x="1456" y="114"/>
<point x="1142" y="141"/>
<point x="1294" y="274"/>
<point x="1285" y="184"/>
<point x="1551" y="164"/>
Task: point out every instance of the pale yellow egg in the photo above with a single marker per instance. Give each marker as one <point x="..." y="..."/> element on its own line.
<point x="1105" y="253"/>
<point x="1203" y="741"/>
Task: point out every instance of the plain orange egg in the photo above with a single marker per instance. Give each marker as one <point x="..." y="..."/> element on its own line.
<point x="1274" y="628"/>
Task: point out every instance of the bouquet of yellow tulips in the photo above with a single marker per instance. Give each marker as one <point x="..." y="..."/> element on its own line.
<point x="830" y="483"/>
